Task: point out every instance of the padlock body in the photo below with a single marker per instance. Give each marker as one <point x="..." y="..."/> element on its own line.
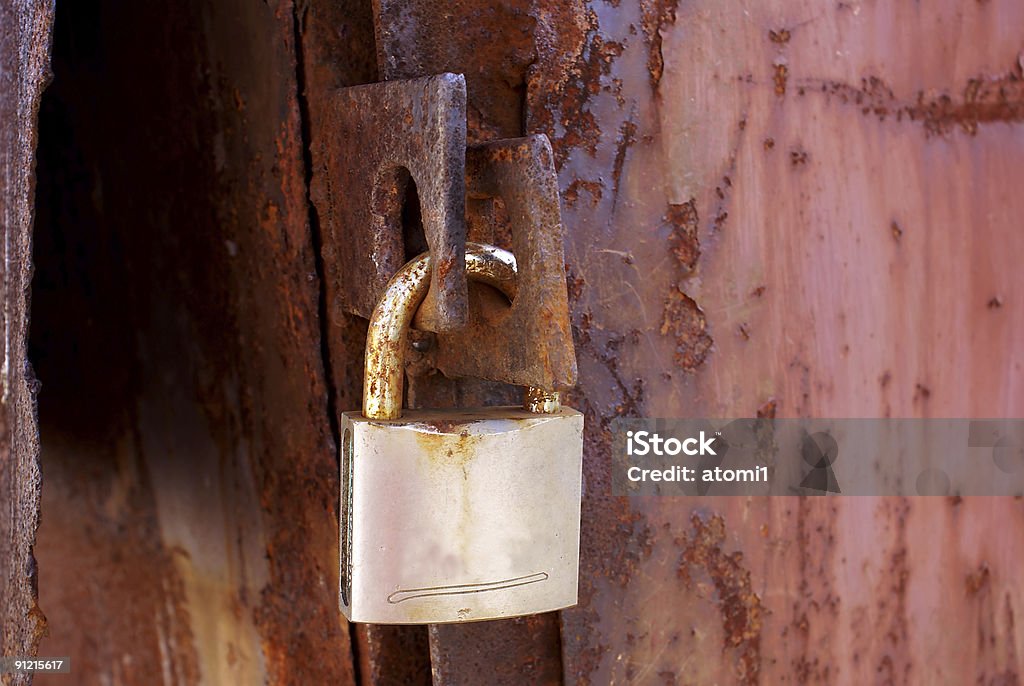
<point x="459" y="515"/>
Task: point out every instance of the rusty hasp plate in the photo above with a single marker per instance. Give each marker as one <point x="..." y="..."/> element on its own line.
<point x="530" y="342"/>
<point x="385" y="135"/>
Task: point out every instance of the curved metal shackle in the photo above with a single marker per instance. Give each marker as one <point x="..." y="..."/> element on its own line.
<point x="389" y="327"/>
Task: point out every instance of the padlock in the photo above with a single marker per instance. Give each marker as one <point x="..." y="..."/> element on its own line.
<point x="454" y="515"/>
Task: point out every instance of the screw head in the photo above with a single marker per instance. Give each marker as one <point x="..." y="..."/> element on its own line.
<point x="423" y="342"/>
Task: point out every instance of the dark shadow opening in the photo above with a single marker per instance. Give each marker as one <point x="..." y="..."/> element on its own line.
<point x="190" y="478"/>
<point x="414" y="240"/>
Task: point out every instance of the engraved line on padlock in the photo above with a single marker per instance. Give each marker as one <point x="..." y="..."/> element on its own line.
<point x="448" y="515"/>
<point x="461" y="589"/>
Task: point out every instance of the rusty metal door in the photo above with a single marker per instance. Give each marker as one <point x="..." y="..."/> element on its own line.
<point x="783" y="208"/>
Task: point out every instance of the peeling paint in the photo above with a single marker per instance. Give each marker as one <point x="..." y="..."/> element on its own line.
<point x="684" y="238"/>
<point x="685" y="322"/>
<point x="656" y="16"/>
<point x="740" y="607"/>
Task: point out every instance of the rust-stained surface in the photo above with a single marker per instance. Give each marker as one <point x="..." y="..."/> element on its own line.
<point x="491" y="43"/>
<point x="720" y="167"/>
<point x="495" y="49"/>
<point x="388" y="331"/>
<point x="25" y="30"/>
<point x="528" y="343"/>
<point x="393" y="655"/>
<point x="789" y="209"/>
<point x="335" y="45"/>
<point x="189" y="529"/>
<point x="771" y="209"/>
<point x="524" y="650"/>
<point x="337" y="49"/>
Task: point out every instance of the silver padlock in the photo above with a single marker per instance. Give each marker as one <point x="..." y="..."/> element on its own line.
<point x="454" y="515"/>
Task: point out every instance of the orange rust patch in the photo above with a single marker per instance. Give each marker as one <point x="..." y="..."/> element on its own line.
<point x="656" y="16"/>
<point x="740" y="606"/>
<point x="781" y="76"/>
<point x="572" y="193"/>
<point x="567" y="72"/>
<point x="448" y="448"/>
<point x="977" y="581"/>
<point x="767" y="410"/>
<point x="982" y="99"/>
<point x="684" y="240"/>
<point x="685" y="321"/>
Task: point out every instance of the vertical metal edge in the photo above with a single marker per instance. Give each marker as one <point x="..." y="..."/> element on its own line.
<point x="347" y="467"/>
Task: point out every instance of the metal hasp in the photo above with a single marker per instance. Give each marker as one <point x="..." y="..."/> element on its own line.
<point x="386" y="134"/>
<point x="389" y="133"/>
<point x="529" y="343"/>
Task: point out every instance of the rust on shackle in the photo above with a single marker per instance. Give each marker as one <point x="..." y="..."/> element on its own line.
<point x="389" y="328"/>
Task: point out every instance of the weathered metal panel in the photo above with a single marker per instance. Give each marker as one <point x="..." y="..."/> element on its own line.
<point x="800" y="209"/>
<point x="389" y="654"/>
<point x="492" y="43"/>
<point x="24" y="70"/>
<point x="525" y="650"/>
<point x="189" y="532"/>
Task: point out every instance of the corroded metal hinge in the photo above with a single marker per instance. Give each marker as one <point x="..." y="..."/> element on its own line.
<point x="393" y="133"/>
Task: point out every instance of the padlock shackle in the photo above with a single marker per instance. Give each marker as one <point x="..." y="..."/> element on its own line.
<point x="384" y="377"/>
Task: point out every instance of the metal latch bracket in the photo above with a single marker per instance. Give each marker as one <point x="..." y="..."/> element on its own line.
<point x="388" y="133"/>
